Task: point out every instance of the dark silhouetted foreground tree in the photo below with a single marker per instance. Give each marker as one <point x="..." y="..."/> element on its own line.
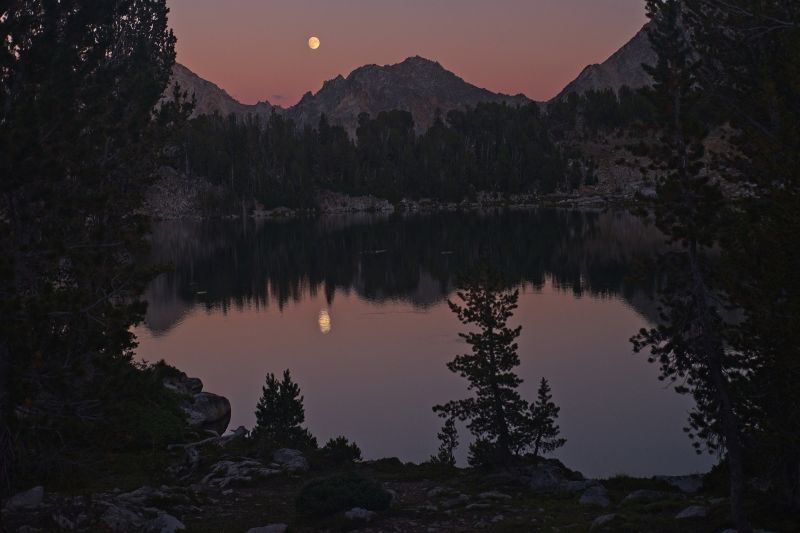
<point x="79" y="82"/>
<point x="690" y="344"/>
<point x="495" y="414"/>
<point x="501" y="421"/>
<point x="280" y="413"/>
<point x="751" y="72"/>
<point x="448" y="442"/>
<point x="544" y="430"/>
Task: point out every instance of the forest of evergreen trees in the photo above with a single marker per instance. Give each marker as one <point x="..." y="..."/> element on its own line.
<point x="492" y="147"/>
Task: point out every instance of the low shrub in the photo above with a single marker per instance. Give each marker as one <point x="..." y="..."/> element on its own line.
<point x="330" y="495"/>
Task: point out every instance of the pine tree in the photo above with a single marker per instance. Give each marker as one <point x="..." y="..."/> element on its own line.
<point x="496" y="413"/>
<point x="448" y="442"/>
<point x="280" y="413"/>
<point x="752" y="76"/>
<point x="690" y="343"/>
<point x="544" y="431"/>
<point x="79" y="82"/>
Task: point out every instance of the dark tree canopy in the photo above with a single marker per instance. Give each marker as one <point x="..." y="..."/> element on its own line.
<point x="544" y="430"/>
<point x="79" y="82"/>
<point x="280" y="413"/>
<point x="503" y="423"/>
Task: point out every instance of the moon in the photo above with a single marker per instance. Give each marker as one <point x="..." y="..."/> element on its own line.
<point x="313" y="43"/>
<point x="324" y="321"/>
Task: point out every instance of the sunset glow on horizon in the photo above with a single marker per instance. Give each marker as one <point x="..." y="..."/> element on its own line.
<point x="259" y="50"/>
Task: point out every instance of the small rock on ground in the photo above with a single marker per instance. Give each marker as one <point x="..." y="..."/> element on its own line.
<point x="602" y="521"/>
<point x="271" y="528"/>
<point x="165" y="523"/>
<point x="645" y="495"/>
<point x="693" y="511"/>
<point x="493" y="495"/>
<point x="357" y="513"/>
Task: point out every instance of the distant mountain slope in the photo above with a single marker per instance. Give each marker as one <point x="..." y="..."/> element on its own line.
<point x="211" y="98"/>
<point x="622" y="68"/>
<point x="417" y="85"/>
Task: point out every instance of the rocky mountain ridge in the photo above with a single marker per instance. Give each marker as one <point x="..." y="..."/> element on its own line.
<point x="624" y="67"/>
<point x="417" y="85"/>
<point x="210" y="98"/>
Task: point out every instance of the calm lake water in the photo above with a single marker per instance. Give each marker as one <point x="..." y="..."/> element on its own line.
<point x="356" y="307"/>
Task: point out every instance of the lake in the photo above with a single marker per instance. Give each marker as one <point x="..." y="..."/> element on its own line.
<point x="355" y="306"/>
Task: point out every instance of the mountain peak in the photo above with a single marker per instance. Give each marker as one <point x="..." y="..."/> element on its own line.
<point x="416" y="84"/>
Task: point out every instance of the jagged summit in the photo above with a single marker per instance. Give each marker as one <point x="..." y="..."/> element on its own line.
<point x="417" y="85"/>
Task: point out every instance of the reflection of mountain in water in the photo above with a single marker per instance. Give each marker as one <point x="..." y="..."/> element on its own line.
<point x="416" y="258"/>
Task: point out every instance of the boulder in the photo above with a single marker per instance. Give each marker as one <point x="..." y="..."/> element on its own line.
<point x="602" y="521"/>
<point x="357" y="513"/>
<point x="551" y="476"/>
<point x="493" y="495"/>
<point x="595" y="495"/>
<point x="693" y="511"/>
<point x="291" y="460"/>
<point x="118" y="518"/>
<point x="457" y="501"/>
<point x="165" y="523"/>
<point x="208" y="411"/>
<point x="478" y="506"/>
<point x="29" y="499"/>
<point x="182" y="384"/>
<point x="204" y="410"/>
<point x="271" y="528"/>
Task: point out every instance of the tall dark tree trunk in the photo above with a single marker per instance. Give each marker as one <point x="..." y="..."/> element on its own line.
<point x="730" y="426"/>
<point x="6" y="443"/>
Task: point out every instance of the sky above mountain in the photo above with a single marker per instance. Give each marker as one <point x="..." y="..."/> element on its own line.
<point x="258" y="49"/>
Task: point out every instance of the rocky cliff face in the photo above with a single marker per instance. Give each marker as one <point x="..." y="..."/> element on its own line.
<point x="622" y="68"/>
<point x="417" y="85"/>
<point x="211" y="98"/>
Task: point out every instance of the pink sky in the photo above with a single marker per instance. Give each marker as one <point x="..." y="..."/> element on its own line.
<point x="256" y="49"/>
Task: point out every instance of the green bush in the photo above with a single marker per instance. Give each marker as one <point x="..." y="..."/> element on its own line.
<point x="330" y="495"/>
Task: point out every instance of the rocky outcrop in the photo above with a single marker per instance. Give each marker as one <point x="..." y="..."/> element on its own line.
<point x="229" y="472"/>
<point x="624" y="67"/>
<point x="330" y="202"/>
<point x="417" y="85"/>
<point x="290" y="460"/>
<point x="173" y="195"/>
<point x="550" y="476"/>
<point x="145" y="510"/>
<point x="205" y="411"/>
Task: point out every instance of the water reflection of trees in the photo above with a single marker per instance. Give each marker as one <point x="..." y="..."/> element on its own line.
<point x="414" y="258"/>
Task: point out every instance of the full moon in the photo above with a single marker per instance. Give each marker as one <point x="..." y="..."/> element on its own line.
<point x="313" y="43"/>
<point x="324" y="322"/>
